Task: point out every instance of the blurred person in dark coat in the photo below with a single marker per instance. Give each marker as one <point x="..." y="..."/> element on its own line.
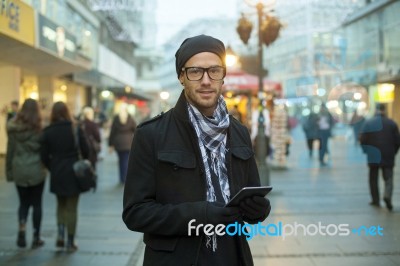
<point x="59" y="152"/>
<point x="357" y="121"/>
<point x="13" y="111"/>
<point x="120" y="139"/>
<point x="325" y="125"/>
<point x="92" y="134"/>
<point x="380" y="140"/>
<point x="310" y="128"/>
<point x="25" y="169"/>
<point x="236" y="113"/>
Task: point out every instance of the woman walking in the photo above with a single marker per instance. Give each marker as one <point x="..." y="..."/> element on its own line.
<point x="59" y="152"/>
<point x="120" y="139"/>
<point x="92" y="133"/>
<point x="24" y="167"/>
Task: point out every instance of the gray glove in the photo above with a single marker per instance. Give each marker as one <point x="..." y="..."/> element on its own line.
<point x="218" y="214"/>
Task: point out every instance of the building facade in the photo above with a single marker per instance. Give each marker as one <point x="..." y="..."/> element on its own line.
<point x="373" y="52"/>
<point x="330" y="49"/>
<point x="66" y="50"/>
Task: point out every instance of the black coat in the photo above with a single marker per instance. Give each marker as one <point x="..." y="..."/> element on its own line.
<point x="92" y="133"/>
<point x="310" y="126"/>
<point x="121" y="134"/>
<point x="166" y="185"/>
<point x="58" y="153"/>
<point x="380" y="140"/>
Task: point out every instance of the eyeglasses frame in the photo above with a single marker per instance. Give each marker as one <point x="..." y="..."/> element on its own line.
<point x="205" y="69"/>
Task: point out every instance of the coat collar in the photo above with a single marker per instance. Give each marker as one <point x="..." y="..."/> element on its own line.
<point x="181" y="110"/>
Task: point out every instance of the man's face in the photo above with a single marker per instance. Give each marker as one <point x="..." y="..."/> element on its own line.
<point x="203" y="93"/>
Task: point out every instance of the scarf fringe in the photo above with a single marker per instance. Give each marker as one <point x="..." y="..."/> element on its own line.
<point x="211" y="134"/>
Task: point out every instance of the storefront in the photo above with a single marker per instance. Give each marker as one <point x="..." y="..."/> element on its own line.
<point x="17" y="36"/>
<point x="241" y="91"/>
<point x="37" y="57"/>
<point x="372" y="37"/>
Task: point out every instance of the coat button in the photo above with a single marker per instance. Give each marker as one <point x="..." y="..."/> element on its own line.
<point x="176" y="167"/>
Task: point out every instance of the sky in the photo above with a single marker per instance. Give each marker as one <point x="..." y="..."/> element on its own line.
<point x="172" y="15"/>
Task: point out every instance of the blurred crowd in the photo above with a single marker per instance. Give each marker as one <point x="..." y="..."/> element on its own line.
<point x="34" y="151"/>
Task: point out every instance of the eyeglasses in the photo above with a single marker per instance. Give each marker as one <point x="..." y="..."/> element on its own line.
<point x="197" y="73"/>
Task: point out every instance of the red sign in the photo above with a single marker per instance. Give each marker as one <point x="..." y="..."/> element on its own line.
<point x="240" y="80"/>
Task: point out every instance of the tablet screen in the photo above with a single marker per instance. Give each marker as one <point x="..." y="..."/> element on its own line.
<point x="248" y="192"/>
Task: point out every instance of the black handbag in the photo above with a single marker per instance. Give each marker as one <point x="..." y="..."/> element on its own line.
<point x="83" y="169"/>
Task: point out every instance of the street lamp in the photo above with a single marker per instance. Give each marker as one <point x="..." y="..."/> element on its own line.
<point x="164" y="96"/>
<point x="231" y="59"/>
<point x="268" y="30"/>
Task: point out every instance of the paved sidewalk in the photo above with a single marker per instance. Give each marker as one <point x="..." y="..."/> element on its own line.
<point x="337" y="194"/>
<point x="102" y="237"/>
<point x="305" y="193"/>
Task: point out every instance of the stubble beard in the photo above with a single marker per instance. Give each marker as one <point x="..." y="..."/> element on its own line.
<point x="202" y="104"/>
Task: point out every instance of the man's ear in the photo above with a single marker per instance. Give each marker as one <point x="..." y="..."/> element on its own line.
<point x="181" y="78"/>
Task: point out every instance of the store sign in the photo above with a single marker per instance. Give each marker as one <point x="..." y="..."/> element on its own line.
<point x="17" y="21"/>
<point x="384" y="93"/>
<point x="56" y="39"/>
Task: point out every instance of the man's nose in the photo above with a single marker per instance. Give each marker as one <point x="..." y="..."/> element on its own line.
<point x="205" y="79"/>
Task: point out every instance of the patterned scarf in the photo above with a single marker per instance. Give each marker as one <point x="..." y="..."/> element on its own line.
<point x="212" y="134"/>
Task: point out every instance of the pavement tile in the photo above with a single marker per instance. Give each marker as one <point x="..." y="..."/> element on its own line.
<point x="353" y="261"/>
<point x="102" y="237"/>
<point x="282" y="262"/>
<point x="395" y="259"/>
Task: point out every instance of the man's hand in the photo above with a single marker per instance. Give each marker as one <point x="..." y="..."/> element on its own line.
<point x="218" y="214"/>
<point x="255" y="208"/>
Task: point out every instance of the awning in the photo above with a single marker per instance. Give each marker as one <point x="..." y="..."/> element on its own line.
<point x="36" y="61"/>
<point x="131" y="95"/>
<point x="242" y="81"/>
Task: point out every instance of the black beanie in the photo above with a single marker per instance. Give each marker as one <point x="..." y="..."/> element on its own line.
<point x="195" y="45"/>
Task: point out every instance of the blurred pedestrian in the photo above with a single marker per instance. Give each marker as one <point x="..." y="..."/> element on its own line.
<point x="311" y="131"/>
<point x="13" y="111"/>
<point x="25" y="169"/>
<point x="92" y="134"/>
<point x="187" y="163"/>
<point x="10" y="111"/>
<point x="236" y="113"/>
<point x="357" y="122"/>
<point x="99" y="117"/>
<point x="59" y="152"/>
<point x="120" y="139"/>
<point x="380" y="140"/>
<point x="255" y="116"/>
<point x="325" y="125"/>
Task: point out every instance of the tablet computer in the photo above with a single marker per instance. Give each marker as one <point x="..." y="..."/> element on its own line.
<point x="248" y="192"/>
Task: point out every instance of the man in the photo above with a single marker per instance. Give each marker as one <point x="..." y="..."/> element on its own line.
<point x="380" y="140"/>
<point x="236" y="113"/>
<point x="325" y="125"/>
<point x="13" y="111"/>
<point x="187" y="163"/>
<point x="255" y="116"/>
<point x="311" y="131"/>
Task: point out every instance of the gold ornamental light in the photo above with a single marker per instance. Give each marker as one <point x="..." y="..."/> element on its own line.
<point x="270" y="30"/>
<point x="244" y="29"/>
